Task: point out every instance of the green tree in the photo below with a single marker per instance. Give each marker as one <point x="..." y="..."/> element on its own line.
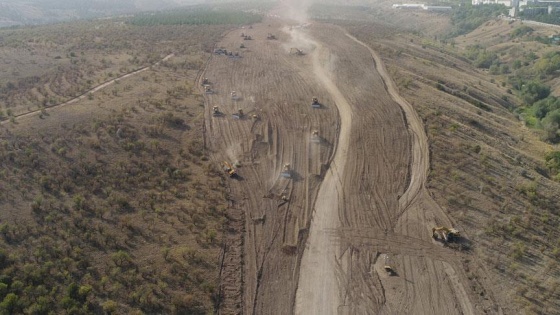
<point x="533" y="91"/>
<point x="10" y="304"/>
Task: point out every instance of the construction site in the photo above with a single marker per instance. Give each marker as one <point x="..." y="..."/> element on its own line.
<point x="286" y="157"/>
<point x="329" y="211"/>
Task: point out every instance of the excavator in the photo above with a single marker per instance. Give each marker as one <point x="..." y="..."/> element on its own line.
<point x="445" y="234"/>
<point x="229" y="169"/>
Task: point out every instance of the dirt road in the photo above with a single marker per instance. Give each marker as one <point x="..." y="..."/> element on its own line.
<point x="91" y="91"/>
<point x="315" y="242"/>
<point x="318" y="262"/>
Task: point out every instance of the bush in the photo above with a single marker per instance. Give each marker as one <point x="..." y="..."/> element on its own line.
<point x="534" y="91"/>
<point x="467" y="17"/>
<point x="521" y="31"/>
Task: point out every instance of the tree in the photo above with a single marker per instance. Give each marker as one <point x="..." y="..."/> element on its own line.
<point x="533" y="91"/>
<point x="10" y="304"/>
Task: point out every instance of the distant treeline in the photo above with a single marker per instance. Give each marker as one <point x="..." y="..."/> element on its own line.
<point x="468" y="17"/>
<point x="553" y="18"/>
<point x="201" y="16"/>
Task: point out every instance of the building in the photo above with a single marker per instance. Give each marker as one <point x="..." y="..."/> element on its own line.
<point x="421" y="6"/>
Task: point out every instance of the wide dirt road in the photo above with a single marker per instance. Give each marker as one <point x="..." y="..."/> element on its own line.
<point x="316" y="243"/>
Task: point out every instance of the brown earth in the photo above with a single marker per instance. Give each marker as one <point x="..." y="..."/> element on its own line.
<point x="325" y="254"/>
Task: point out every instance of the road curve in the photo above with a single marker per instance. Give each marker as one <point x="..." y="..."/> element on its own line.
<point x="419" y="167"/>
<point x="420" y="161"/>
<point x="318" y="287"/>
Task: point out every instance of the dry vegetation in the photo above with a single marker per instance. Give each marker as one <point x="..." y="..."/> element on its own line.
<point x="110" y="204"/>
<point x="48" y="65"/>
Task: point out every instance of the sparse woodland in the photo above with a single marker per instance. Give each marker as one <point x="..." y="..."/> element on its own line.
<point x="110" y="205"/>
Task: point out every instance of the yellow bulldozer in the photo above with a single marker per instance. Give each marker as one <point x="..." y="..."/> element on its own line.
<point x="445" y="234"/>
<point x="229" y="169"/>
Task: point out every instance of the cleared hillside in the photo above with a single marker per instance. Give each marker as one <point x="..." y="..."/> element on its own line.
<point x="488" y="171"/>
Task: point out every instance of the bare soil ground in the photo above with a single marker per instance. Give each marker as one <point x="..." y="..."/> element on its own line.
<point x="325" y="254"/>
<point x="486" y="170"/>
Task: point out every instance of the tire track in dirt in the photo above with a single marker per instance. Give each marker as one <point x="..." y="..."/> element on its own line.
<point x="277" y="87"/>
<point x="419" y="167"/>
<point x="317" y="291"/>
<point x="420" y="161"/>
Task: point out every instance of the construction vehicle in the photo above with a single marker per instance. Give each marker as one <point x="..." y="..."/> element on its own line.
<point x="239" y="114"/>
<point x="445" y="234"/>
<point x="315" y="103"/>
<point x="270" y="36"/>
<point x="315" y="136"/>
<point x="286" y="171"/>
<point x="296" y="51"/>
<point x="229" y="169"/>
<point x="216" y="111"/>
<point x="388" y="266"/>
<point x="234" y="96"/>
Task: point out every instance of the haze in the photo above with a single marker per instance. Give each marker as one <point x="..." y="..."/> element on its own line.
<point x="31" y="12"/>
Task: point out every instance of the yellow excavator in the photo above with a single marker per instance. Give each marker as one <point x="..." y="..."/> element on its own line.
<point x="229" y="169"/>
<point x="445" y="234"/>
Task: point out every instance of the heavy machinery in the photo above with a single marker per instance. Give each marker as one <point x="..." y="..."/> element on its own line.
<point x="388" y="266"/>
<point x="286" y="171"/>
<point x="270" y="36"/>
<point x="215" y="111"/>
<point x="445" y="234"/>
<point x="315" y="103"/>
<point x="296" y="51"/>
<point x="229" y="169"/>
<point x="234" y="96"/>
<point x="315" y="136"/>
<point x="239" y="114"/>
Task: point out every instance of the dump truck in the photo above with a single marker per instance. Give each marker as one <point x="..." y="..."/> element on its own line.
<point x="229" y="169"/>
<point x="445" y="234"/>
